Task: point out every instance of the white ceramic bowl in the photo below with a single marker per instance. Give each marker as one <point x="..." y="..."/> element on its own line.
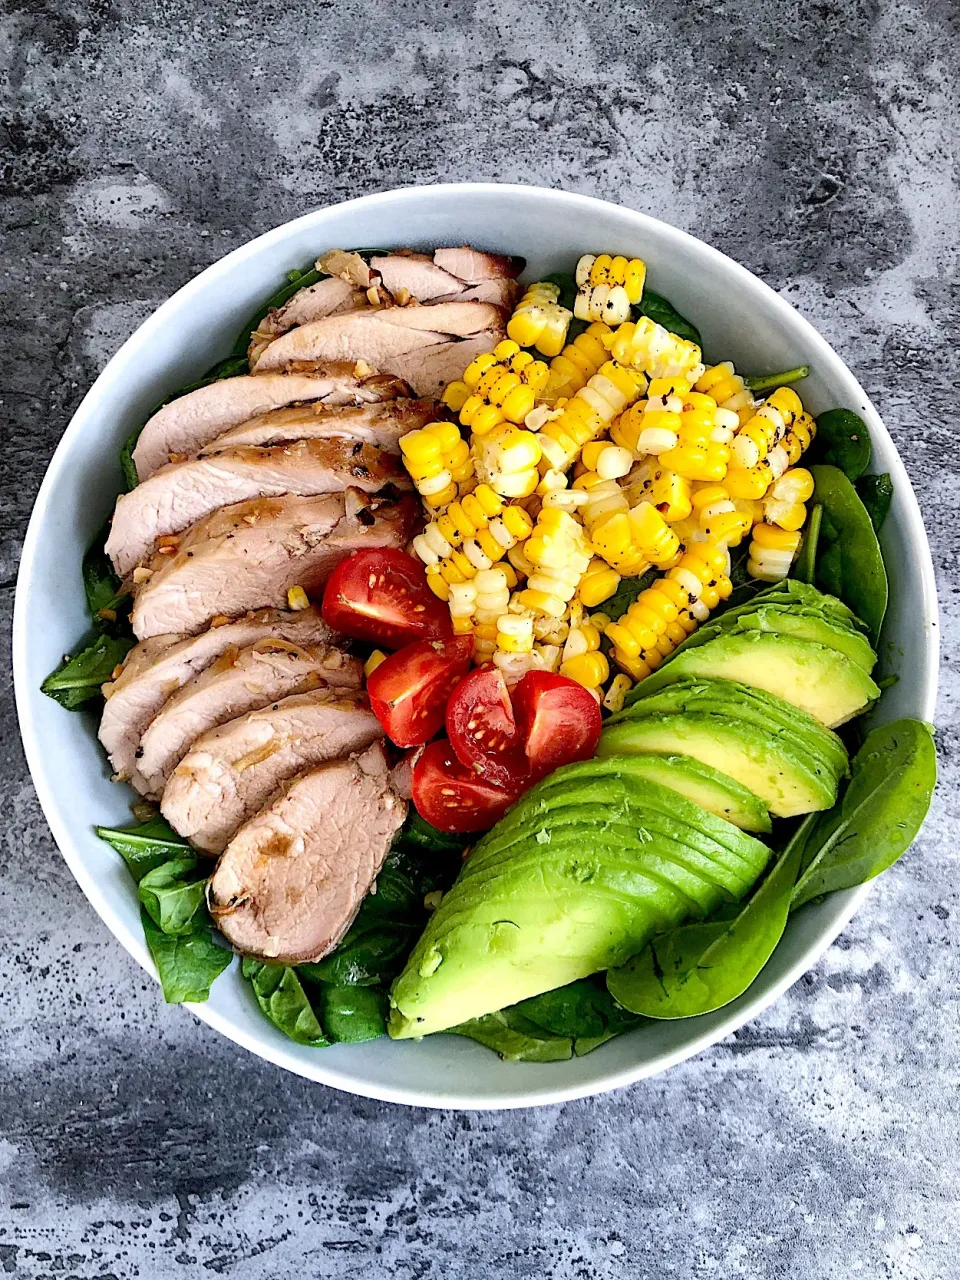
<point x="740" y="319"/>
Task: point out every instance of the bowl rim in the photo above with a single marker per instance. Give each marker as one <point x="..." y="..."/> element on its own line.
<point x="743" y="1010"/>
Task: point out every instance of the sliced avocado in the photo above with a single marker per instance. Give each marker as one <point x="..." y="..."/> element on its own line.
<point x="818" y="680"/>
<point x="550" y="895"/>
<point x="793" y="593"/>
<point x="759" y="759"/>
<point x="804" y="736"/>
<point x="709" y="788"/>
<point x="800" y="620"/>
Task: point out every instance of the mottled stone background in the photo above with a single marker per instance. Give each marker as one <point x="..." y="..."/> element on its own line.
<point x="814" y="141"/>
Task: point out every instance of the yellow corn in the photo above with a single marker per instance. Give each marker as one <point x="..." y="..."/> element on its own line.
<point x="649" y="348"/>
<point x="297" y="599"/>
<point x="507" y="459"/>
<point x="464" y="519"/>
<point x="539" y="320"/>
<point x="438" y="459"/>
<point x="670" y="493"/>
<point x="728" y="389"/>
<point x="663" y="615"/>
<point x="717" y="517"/>
<point x="697" y="455"/>
<point x="771" y="552"/>
<point x="592" y="409"/>
<point x="576" y="364"/>
<point x="607" y="287"/>
<point x="599" y="583"/>
<point x="515" y="632"/>
<point x="752" y="483"/>
<point x="631" y="542"/>
<point x="463" y="603"/>
<point x="371" y="664"/>
<point x="588" y="669"/>
<point x="477" y="554"/>
<point x="783" y="503"/>
<point x="605" y="498"/>
<point x="766" y="428"/>
<point x="799" y="435"/>
<point x="620" y="686"/>
<point x="497" y="386"/>
<point x="559" y="555"/>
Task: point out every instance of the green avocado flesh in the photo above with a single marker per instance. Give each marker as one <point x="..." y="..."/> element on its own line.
<point x="797" y="620"/>
<point x="583" y="870"/>
<point x="709" y="788"/>
<point x="813" y="677"/>
<point x="780" y="754"/>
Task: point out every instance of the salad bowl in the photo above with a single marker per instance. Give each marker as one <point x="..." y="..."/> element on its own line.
<point x="740" y="318"/>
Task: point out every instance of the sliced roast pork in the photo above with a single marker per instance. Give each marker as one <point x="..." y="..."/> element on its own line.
<point x="500" y="293"/>
<point x="182" y="493"/>
<point x="376" y="424"/>
<point x="239" y="681"/>
<point x="291" y="880"/>
<point x="248" y="555"/>
<point x="472" y="265"/>
<point x="430" y="369"/>
<point x="156" y="668"/>
<point x="230" y="773"/>
<point x="328" y="297"/>
<point x="415" y="275"/>
<point x="186" y="424"/>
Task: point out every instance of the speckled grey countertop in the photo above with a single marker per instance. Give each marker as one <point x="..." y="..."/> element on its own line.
<point x="817" y="144"/>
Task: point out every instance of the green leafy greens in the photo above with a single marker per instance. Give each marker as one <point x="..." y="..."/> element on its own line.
<point x="842" y="441"/>
<point x="188" y="964"/>
<point x="77" y="680"/>
<point x="849" y="563"/>
<point x="658" y="309"/>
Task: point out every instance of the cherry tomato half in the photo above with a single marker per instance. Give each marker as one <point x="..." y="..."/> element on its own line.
<point x="559" y="721"/>
<point x="482" y="729"/>
<point x="453" y="797"/>
<point x="381" y="595"/>
<point x="409" y="690"/>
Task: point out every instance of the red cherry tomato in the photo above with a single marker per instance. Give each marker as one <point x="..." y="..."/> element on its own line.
<point x="559" y="721"/>
<point x="482" y="729"/>
<point x="381" y="595"/>
<point x="453" y="797"/>
<point x="409" y="690"/>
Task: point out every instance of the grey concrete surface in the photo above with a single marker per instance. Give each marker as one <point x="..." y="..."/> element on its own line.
<point x="818" y="144"/>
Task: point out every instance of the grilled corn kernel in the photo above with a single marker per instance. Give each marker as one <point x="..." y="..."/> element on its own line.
<point x="297" y="599"/>
<point x="772" y="551"/>
<point x="607" y="287"/>
<point x="599" y="583"/>
<point x="539" y="320"/>
<point x="506" y="460"/>
<point x="654" y="351"/>
<point x="783" y="503"/>
<point x="766" y="428"/>
<point x="576" y="364"/>
<point x="593" y="408"/>
<point x="371" y="664"/>
<point x="618" y="689"/>
<point x="588" y="669"/>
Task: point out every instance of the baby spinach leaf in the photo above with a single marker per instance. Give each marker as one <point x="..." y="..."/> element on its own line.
<point x="187" y="965"/>
<point x="584" y="1010"/>
<point x="660" y="311"/>
<point x="368" y="956"/>
<point x="892" y="780"/>
<point x="77" y="680"/>
<point x="281" y="997"/>
<point x="805" y="566"/>
<point x="566" y="282"/>
<point x="100" y="583"/>
<point x="626" y="594"/>
<point x="850" y="564"/>
<point x="701" y="967"/>
<point x="876" y="494"/>
<point x="353" y="1015"/>
<point x="144" y="846"/>
<point x="515" y="1038"/>
<point x="173" y="895"/>
<point x="420" y="835"/>
<point x="843" y="441"/>
<point x="766" y="381"/>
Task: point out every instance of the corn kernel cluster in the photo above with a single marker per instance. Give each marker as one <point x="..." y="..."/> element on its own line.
<point x="627" y="453"/>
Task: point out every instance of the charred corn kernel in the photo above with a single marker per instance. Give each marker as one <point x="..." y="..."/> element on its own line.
<point x="539" y="320"/>
<point x="588" y="669"/>
<point x="728" y="389"/>
<point x="663" y="615"/>
<point x="559" y="555"/>
<point x="753" y="484"/>
<point x="653" y="425"/>
<point x="771" y="552"/>
<point x="576" y="364"/>
<point x="600" y="620"/>
<point x="515" y="633"/>
<point x="605" y="498"/>
<point x="798" y="437"/>
<point x="589" y="412"/>
<point x="618" y="689"/>
<point x="462" y="604"/>
<point x="670" y="493"/>
<point x="599" y="583"/>
<point x="717" y="517"/>
<point x="696" y="454"/>
<point x="608" y="286"/>
<point x="514" y="666"/>
<point x="436" y="459"/>
<point x="297" y="599"/>
<point x="630" y="543"/>
<point x="784" y="502"/>
<point x="437" y="582"/>
<point x="503" y="388"/>
<point x="506" y="460"/>
<point x="609" y="461"/>
<point x="584" y="638"/>
<point x="477" y="554"/>
<point x="371" y="664"/>
<point x="649" y="348"/>
<point x="766" y="428"/>
<point x="461" y="520"/>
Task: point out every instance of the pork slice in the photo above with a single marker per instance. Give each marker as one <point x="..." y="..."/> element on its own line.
<point x="499" y="293"/>
<point x="359" y="335"/>
<point x="246" y="556"/>
<point x="186" y="424"/>
<point x="381" y="425"/>
<point x="230" y="773"/>
<point x="417" y="274"/>
<point x="156" y="668"/>
<point x="429" y="371"/>
<point x="239" y="681"/>
<point x="328" y="297"/>
<point x="454" y="319"/>
<point x="472" y="265"/>
<point x="181" y="493"/>
<point x="291" y="880"/>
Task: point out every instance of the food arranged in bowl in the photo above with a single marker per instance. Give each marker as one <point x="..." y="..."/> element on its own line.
<point x="487" y="662"/>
